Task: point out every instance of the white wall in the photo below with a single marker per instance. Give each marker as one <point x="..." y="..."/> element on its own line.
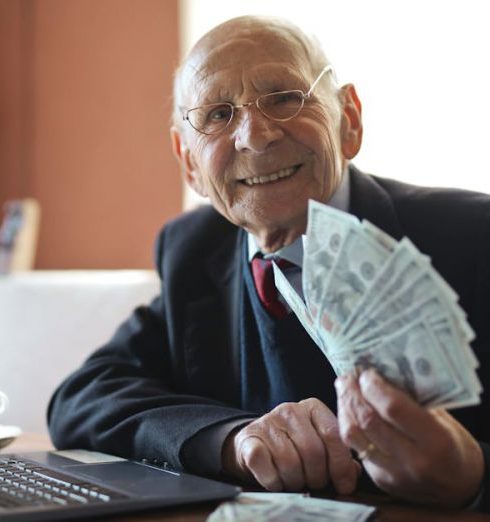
<point x="421" y="69"/>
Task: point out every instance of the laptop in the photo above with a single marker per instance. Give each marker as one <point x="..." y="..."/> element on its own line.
<point x="79" y="484"/>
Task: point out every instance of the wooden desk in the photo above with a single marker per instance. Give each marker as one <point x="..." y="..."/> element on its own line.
<point x="388" y="511"/>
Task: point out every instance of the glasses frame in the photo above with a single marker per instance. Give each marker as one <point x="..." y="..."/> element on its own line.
<point x="304" y="96"/>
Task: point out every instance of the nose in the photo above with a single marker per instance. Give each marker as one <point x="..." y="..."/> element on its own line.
<point x="254" y="131"/>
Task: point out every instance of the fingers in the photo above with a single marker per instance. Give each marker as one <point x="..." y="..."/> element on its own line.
<point x="256" y="457"/>
<point x="349" y="402"/>
<point x="296" y="446"/>
<point x="311" y="450"/>
<point x="420" y="455"/>
<point x="283" y="451"/>
<point x="365" y="430"/>
<point x="394" y="406"/>
<point x="342" y="469"/>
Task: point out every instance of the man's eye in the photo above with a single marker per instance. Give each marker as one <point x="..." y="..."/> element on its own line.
<point x="285" y="97"/>
<point x="218" y="114"/>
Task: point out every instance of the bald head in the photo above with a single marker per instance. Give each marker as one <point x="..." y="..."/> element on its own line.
<point x="276" y="32"/>
<point x="266" y="127"/>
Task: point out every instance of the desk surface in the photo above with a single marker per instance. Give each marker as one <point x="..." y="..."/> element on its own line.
<point x="387" y="510"/>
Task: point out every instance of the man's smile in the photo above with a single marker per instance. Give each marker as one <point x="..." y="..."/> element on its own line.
<point x="270" y="178"/>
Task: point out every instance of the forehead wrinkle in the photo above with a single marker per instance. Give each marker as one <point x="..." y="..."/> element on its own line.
<point x="206" y="89"/>
<point x="272" y="32"/>
<point x="254" y="81"/>
<point x="264" y="49"/>
<point x="210" y="74"/>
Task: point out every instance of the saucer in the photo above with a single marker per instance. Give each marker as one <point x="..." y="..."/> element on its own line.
<point x="8" y="434"/>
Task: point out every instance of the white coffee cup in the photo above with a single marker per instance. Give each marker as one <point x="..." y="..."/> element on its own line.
<point x="3" y="402"/>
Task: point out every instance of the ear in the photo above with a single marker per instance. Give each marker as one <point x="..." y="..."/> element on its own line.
<point x="351" y="125"/>
<point x="188" y="168"/>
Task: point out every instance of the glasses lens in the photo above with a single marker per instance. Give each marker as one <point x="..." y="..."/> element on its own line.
<point x="210" y="119"/>
<point x="281" y="105"/>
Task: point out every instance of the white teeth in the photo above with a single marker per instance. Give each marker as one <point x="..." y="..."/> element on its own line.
<point x="283" y="173"/>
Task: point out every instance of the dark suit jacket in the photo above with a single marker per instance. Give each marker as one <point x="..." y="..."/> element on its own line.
<point x="172" y="368"/>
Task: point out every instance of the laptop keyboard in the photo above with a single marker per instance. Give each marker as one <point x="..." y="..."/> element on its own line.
<point x="26" y="484"/>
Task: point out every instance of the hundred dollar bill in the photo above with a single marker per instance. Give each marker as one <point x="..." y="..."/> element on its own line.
<point x="439" y="318"/>
<point x="403" y="267"/>
<point x="451" y="345"/>
<point x="410" y="359"/>
<point x="416" y="290"/>
<point x="297" y="305"/>
<point x="471" y="389"/>
<point x="355" y="269"/>
<point x="326" y="233"/>
<point x="288" y="507"/>
<point x="393" y="319"/>
<point x="385" y="240"/>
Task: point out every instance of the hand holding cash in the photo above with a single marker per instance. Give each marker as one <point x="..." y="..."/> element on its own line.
<point x="373" y="302"/>
<point x="393" y="331"/>
<point x="419" y="454"/>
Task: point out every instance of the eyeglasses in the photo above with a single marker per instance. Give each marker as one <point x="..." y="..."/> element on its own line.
<point x="278" y="106"/>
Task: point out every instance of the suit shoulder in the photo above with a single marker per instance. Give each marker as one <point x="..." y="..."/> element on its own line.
<point x="457" y="208"/>
<point x="193" y="234"/>
<point x="204" y="219"/>
<point x="402" y="192"/>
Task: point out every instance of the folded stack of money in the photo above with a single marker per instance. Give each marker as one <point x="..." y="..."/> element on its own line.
<point x="288" y="507"/>
<point x="372" y="301"/>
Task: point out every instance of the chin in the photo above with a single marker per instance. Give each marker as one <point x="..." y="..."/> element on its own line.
<point x="277" y="231"/>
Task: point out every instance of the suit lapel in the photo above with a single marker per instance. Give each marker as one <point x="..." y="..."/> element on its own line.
<point x="211" y="337"/>
<point x="369" y="200"/>
<point x="230" y="284"/>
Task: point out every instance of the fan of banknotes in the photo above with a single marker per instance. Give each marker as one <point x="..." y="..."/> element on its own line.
<point x="372" y="301"/>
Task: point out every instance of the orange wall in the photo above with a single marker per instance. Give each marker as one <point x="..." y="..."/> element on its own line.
<point x="85" y="91"/>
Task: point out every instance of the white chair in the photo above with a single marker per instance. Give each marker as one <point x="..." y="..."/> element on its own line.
<point x="50" y="321"/>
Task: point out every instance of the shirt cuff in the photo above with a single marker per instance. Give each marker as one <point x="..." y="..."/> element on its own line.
<point x="202" y="452"/>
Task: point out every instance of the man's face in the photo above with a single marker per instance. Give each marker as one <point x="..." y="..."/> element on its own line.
<point x="260" y="173"/>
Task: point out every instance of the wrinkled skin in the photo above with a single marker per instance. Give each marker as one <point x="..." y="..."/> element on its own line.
<point x="420" y="455"/>
<point x="423" y="456"/>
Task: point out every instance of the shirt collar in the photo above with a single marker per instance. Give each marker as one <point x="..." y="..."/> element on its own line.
<point x="294" y="252"/>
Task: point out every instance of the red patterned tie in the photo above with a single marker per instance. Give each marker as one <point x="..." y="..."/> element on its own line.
<point x="264" y="283"/>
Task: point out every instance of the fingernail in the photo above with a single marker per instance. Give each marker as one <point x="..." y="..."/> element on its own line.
<point x="342" y="381"/>
<point x="367" y="377"/>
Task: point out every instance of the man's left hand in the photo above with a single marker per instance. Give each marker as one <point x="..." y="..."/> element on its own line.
<point x="413" y="453"/>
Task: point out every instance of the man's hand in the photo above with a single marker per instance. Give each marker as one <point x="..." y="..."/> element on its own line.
<point x="413" y="453"/>
<point x="295" y="446"/>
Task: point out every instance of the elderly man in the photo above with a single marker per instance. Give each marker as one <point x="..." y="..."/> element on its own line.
<point x="208" y="377"/>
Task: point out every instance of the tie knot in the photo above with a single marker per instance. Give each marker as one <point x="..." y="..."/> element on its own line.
<point x="264" y="283"/>
<point x="259" y="260"/>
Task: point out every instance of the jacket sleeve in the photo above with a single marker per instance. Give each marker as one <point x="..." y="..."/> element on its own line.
<point x="126" y="398"/>
<point x="482" y="349"/>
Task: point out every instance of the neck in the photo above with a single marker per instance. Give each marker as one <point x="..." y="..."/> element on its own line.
<point x="270" y="242"/>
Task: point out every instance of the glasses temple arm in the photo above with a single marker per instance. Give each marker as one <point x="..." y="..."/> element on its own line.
<point x="325" y="70"/>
